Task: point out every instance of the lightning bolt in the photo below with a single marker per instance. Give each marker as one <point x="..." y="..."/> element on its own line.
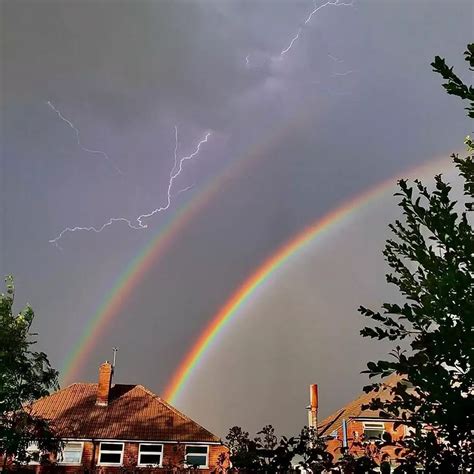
<point x="336" y="60"/>
<point x="284" y="51"/>
<point x="173" y="175"/>
<point x="78" y="138"/>
<point x="335" y="3"/>
<point x="138" y="223"/>
<point x="175" y="150"/>
<point x="346" y="73"/>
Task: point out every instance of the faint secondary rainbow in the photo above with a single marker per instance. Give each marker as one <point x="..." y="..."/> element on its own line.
<point x="248" y="288"/>
<point x="125" y="284"/>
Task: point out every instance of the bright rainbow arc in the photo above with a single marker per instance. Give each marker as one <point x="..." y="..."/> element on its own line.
<point x="242" y="295"/>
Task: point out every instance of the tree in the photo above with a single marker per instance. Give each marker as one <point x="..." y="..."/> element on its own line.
<point x="267" y="453"/>
<point x="431" y="257"/>
<point x="307" y="452"/>
<point x="25" y="376"/>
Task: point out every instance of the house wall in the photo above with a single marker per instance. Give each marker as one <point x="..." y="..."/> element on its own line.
<point x="355" y="431"/>
<point x="173" y="455"/>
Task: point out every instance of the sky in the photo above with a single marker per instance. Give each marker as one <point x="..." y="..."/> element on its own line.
<point x="99" y="97"/>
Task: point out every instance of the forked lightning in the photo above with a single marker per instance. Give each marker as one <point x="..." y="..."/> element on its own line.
<point x="139" y="223"/>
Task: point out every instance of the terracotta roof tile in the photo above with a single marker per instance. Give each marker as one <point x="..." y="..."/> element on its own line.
<point x="133" y="413"/>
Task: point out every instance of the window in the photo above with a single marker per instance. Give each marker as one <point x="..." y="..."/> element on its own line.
<point x="150" y="454"/>
<point x="71" y="453"/>
<point x="373" y="429"/>
<point x="33" y="453"/>
<point x="196" y="456"/>
<point x="111" y="453"/>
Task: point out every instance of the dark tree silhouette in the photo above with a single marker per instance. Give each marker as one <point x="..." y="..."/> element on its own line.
<point x="432" y="260"/>
<point x="267" y="453"/>
<point x="431" y="257"/>
<point x="25" y="376"/>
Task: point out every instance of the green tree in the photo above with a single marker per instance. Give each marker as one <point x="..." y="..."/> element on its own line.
<point x="267" y="453"/>
<point x="431" y="257"/>
<point x="25" y="376"/>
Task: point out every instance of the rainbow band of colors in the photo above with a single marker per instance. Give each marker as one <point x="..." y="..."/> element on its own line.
<point x="244" y="293"/>
<point x="161" y="241"/>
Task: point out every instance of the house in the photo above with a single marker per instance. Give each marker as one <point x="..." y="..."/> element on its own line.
<point x="110" y="428"/>
<point x="358" y="429"/>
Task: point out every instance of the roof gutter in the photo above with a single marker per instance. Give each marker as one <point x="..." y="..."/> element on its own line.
<point x="112" y="440"/>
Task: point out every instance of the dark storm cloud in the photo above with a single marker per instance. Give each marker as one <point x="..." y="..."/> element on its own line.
<point x="126" y="72"/>
<point x="187" y="57"/>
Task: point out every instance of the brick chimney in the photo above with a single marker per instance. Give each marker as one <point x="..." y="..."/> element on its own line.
<point x="313" y="406"/>
<point x="105" y="381"/>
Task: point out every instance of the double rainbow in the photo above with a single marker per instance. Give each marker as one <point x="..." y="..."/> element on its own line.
<point x="158" y="245"/>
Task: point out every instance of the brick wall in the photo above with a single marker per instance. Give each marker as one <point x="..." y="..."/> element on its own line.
<point x="173" y="455"/>
<point x="355" y="431"/>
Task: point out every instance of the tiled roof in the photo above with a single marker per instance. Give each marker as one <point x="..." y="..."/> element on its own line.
<point x="354" y="409"/>
<point x="133" y="413"/>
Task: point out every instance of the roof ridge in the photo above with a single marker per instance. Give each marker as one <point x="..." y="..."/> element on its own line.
<point x="164" y="402"/>
<point x="74" y="411"/>
<point x="385" y="386"/>
<point x="173" y="409"/>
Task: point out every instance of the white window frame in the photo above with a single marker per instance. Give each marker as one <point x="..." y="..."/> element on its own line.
<point x="110" y="452"/>
<point x="371" y="425"/>
<point x="33" y="448"/>
<point x="206" y="466"/>
<point x="64" y="463"/>
<point x="140" y="464"/>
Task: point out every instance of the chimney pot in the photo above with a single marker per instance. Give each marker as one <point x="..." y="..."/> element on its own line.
<point x="105" y="382"/>
<point x="313" y="406"/>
